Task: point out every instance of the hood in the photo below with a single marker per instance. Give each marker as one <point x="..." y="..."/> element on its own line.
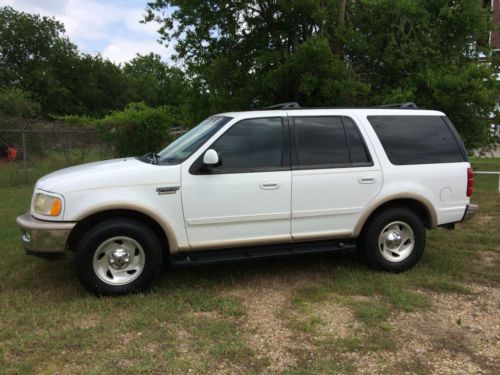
<point x="108" y="174"/>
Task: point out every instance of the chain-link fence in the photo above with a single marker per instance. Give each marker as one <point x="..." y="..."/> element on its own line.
<point x="29" y="150"/>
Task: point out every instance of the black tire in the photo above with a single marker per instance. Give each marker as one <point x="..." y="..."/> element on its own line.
<point x="106" y="230"/>
<point x="369" y="240"/>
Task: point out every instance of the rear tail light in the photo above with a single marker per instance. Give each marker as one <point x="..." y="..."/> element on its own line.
<point x="470" y="181"/>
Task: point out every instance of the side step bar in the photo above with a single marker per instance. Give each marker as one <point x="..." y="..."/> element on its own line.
<point x="259" y="252"/>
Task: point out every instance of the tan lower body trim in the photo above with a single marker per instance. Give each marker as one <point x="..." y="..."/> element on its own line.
<point x="207" y="245"/>
<point x="377" y="203"/>
<point x="318" y="236"/>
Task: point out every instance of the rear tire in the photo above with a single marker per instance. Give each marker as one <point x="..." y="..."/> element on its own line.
<point x="394" y="239"/>
<point x="117" y="257"/>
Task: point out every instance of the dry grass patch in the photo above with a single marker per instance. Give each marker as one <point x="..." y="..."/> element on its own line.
<point x="265" y="332"/>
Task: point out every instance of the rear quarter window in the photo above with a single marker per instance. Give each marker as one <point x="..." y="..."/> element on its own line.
<point x="417" y="139"/>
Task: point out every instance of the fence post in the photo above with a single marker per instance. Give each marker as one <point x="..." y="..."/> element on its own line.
<point x="24" y="158"/>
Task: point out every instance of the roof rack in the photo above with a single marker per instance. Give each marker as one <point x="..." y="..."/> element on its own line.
<point x="407" y="105"/>
<point x="295" y="105"/>
<point x="290" y="105"/>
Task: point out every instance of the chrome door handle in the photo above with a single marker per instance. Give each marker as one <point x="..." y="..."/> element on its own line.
<point x="367" y="180"/>
<point x="269" y="185"/>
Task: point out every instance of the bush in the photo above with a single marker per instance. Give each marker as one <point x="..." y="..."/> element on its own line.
<point x="138" y="129"/>
<point x="76" y="120"/>
<point x="17" y="103"/>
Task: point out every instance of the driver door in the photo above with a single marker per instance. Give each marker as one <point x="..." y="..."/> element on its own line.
<point x="246" y="200"/>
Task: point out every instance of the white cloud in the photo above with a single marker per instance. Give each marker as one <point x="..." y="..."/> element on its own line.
<point x="96" y="26"/>
<point x="121" y="50"/>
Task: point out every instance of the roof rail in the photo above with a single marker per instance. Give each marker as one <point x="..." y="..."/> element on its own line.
<point x="407" y="105"/>
<point x="290" y="105"/>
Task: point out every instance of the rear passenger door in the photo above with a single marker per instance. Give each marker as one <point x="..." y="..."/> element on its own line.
<point x="334" y="176"/>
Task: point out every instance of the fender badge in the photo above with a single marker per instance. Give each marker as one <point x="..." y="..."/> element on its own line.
<point x="167" y="190"/>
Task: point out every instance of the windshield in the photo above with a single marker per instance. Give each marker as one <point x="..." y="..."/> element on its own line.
<point x="184" y="146"/>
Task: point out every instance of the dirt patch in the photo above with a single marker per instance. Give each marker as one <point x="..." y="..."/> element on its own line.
<point x="461" y="334"/>
<point x="488" y="258"/>
<point x="266" y="333"/>
<point x="89" y="322"/>
<point x="204" y="314"/>
<point x="337" y="321"/>
<point x="484" y="219"/>
<point x="183" y="339"/>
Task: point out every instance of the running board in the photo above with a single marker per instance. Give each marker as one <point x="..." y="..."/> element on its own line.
<point x="259" y="252"/>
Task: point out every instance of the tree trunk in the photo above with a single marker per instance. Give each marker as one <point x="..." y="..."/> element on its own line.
<point x="340" y="29"/>
<point x="341" y="13"/>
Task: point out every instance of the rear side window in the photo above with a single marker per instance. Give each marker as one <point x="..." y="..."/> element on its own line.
<point x="357" y="149"/>
<point x="328" y="142"/>
<point x="417" y="139"/>
<point x="320" y="141"/>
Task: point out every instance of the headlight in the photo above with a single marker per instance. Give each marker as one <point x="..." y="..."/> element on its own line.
<point x="47" y="205"/>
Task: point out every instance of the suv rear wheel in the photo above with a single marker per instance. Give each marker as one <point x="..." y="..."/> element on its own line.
<point x="117" y="257"/>
<point x="394" y="239"/>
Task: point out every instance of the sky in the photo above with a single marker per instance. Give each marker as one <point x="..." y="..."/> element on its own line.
<point x="109" y="27"/>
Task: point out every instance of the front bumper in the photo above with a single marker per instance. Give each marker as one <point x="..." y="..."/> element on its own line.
<point x="43" y="237"/>
<point x="470" y="211"/>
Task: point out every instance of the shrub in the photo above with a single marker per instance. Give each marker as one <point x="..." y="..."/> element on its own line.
<point x="138" y="129"/>
<point x="17" y="103"/>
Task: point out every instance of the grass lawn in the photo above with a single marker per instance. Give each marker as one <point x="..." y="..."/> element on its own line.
<point x="317" y="314"/>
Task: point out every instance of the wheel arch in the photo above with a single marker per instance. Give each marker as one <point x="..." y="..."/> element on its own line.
<point x="86" y="221"/>
<point x="420" y="205"/>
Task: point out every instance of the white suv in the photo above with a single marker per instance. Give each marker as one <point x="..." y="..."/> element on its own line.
<point x="257" y="184"/>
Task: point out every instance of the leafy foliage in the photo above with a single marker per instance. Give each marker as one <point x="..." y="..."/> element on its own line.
<point x="37" y="57"/>
<point x="138" y="129"/>
<point x="152" y="81"/>
<point x="238" y="55"/>
<point x="241" y="54"/>
<point x="34" y="54"/>
<point x="17" y="103"/>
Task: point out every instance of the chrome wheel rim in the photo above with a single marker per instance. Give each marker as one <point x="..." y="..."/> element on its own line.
<point x="119" y="260"/>
<point x="396" y="241"/>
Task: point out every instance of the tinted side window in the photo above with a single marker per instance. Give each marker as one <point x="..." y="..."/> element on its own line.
<point x="416" y="139"/>
<point x="357" y="149"/>
<point x="251" y="145"/>
<point x="321" y="142"/>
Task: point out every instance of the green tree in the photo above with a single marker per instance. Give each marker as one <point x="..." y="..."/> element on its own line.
<point x="247" y="54"/>
<point x="32" y="49"/>
<point x="97" y="86"/>
<point x="425" y="51"/>
<point x="37" y="57"/>
<point x="152" y="81"/>
<point x="244" y="54"/>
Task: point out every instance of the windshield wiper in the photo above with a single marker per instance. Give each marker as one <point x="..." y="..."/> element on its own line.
<point x="153" y="157"/>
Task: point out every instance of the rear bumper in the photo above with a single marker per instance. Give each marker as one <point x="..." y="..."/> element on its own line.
<point x="470" y="211"/>
<point x="43" y="237"/>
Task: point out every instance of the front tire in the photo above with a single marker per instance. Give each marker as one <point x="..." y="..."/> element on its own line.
<point x="394" y="239"/>
<point x="118" y="257"/>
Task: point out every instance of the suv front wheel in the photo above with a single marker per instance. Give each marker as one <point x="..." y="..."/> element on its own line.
<point x="394" y="239"/>
<point x="117" y="257"/>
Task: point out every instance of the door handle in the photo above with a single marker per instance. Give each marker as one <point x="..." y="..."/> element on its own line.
<point x="367" y="180"/>
<point x="269" y="185"/>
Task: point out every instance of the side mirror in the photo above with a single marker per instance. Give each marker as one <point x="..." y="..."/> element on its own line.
<point x="212" y="158"/>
